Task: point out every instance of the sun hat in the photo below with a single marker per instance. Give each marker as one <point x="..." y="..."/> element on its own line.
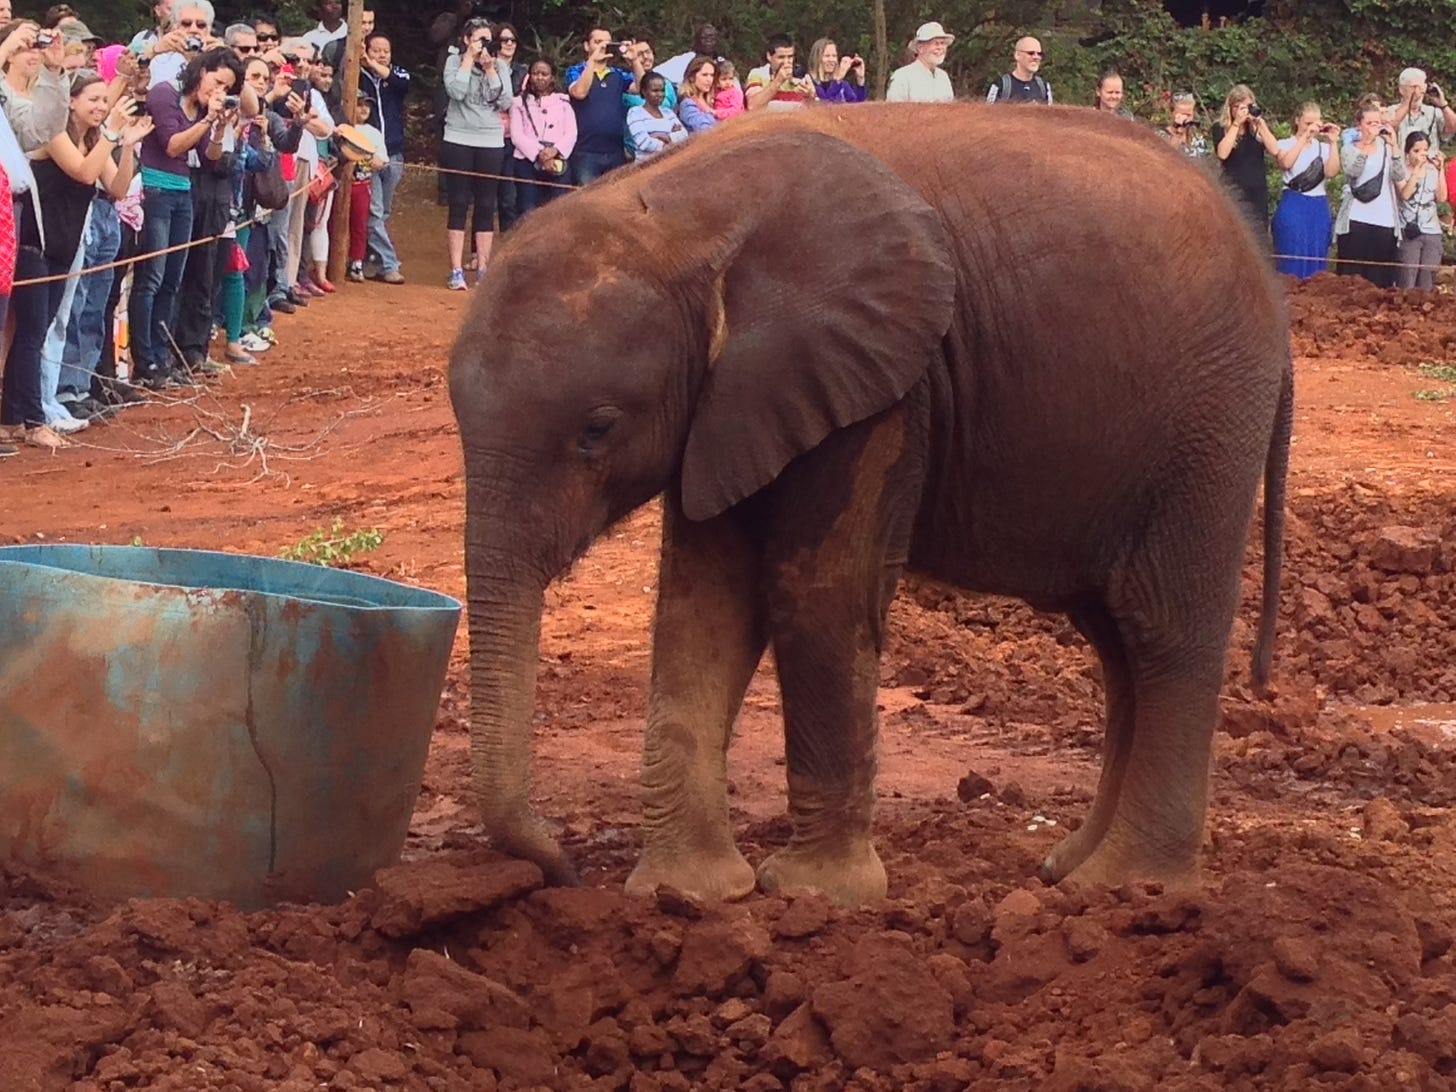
<point x="930" y="31"/>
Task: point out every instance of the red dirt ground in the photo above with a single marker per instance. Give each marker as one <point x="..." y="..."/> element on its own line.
<point x="1319" y="953"/>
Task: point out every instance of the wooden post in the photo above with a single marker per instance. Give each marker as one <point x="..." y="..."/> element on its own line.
<point x="339" y="224"/>
<point x="882" y="51"/>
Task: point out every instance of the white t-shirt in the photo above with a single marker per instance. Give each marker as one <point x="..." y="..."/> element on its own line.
<point x="165" y="68"/>
<point x="321" y="36"/>
<point x="1306" y="157"/>
<point x="917" y="83"/>
<point x="1381" y="211"/>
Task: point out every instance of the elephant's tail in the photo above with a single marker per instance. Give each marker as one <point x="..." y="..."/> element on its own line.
<point x="1276" y="474"/>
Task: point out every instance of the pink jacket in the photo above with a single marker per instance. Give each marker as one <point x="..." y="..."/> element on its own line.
<point x="728" y="102"/>
<point x="534" y="122"/>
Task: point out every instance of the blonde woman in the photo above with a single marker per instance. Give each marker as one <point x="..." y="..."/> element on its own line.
<point x="695" y="96"/>
<point x="1241" y="137"/>
<point x="1302" y="222"/>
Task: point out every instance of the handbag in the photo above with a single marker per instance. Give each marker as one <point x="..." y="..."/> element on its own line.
<point x="555" y="168"/>
<point x="1369" y="190"/>
<point x="1309" y="179"/>
<point x="270" y="191"/>
<point x="1410" y="229"/>
<point x="322" y="183"/>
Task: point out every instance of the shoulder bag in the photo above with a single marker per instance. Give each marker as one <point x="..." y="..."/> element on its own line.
<point x="1369" y="190"/>
<point x="1311" y="178"/>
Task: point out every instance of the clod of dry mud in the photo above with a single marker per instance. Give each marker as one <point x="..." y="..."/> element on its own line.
<point x="1318" y="954"/>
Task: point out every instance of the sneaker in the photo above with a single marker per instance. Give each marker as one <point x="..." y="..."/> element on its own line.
<point x="252" y="343"/>
<point x="267" y="334"/>
<point x="118" y="392"/>
<point x="298" y="296"/>
<point x="356" y="272"/>
<point x="456" y="283"/>
<point x="391" y="276"/>
<point x="67" y="425"/>
<point x="283" y="307"/>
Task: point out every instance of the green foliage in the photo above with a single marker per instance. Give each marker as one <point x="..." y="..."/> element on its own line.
<point x="1431" y="395"/>
<point x="1446" y="373"/>
<point x="333" y="547"/>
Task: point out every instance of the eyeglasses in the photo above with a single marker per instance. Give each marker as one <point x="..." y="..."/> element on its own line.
<point x="1030" y="52"/>
<point x="193" y="24"/>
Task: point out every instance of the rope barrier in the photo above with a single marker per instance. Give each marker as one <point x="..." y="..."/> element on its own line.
<point x="137" y="258"/>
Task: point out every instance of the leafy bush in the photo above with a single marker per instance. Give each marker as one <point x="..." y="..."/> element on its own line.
<point x="332" y="547"/>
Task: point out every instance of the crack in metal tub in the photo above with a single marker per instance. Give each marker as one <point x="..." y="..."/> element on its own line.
<point x="190" y="723"/>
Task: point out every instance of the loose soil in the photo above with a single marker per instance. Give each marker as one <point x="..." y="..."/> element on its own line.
<point x="1317" y="954"/>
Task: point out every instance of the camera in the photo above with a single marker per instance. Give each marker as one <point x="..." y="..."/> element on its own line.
<point x="44" y="39"/>
<point x="230" y="102"/>
<point x="1433" y="91"/>
<point x="1191" y="123"/>
<point x="193" y="43"/>
<point x="487" y="47"/>
<point x="139" y="109"/>
<point x="1255" y="110"/>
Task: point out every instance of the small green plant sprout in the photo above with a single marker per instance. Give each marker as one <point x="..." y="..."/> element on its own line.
<point x="1446" y="373"/>
<point x="1426" y="395"/>
<point x="136" y="540"/>
<point x="333" y="548"/>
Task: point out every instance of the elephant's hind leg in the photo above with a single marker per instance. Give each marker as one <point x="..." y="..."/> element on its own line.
<point x="1095" y="623"/>
<point x="707" y="642"/>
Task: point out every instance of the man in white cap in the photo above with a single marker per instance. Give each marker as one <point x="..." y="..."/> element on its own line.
<point x="923" y="79"/>
<point x="1022" y="84"/>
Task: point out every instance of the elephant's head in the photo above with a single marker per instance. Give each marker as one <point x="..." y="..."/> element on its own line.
<point x="667" y="329"/>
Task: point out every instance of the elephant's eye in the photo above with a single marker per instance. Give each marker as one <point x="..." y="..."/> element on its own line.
<point x="598" y="427"/>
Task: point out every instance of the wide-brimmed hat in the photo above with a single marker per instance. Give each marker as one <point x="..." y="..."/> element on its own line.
<point x="930" y="31"/>
<point x="73" y="30"/>
<point x="353" y="145"/>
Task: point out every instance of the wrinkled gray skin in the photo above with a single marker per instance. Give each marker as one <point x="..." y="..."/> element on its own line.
<point x="1058" y="375"/>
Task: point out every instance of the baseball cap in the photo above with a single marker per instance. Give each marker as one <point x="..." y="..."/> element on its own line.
<point x="73" y="30"/>
<point x="930" y="31"/>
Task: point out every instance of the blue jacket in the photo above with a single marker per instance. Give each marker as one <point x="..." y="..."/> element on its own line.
<point x="388" y="95"/>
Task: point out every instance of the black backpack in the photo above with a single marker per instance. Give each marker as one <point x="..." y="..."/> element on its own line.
<point x="1043" y="91"/>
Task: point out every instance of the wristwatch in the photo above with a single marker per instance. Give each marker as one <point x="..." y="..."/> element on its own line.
<point x="115" y="138"/>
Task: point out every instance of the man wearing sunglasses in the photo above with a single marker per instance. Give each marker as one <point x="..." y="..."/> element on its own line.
<point x="1022" y="84"/>
<point x="189" y="32"/>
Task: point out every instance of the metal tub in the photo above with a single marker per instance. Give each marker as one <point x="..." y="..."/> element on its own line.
<point x="181" y="722"/>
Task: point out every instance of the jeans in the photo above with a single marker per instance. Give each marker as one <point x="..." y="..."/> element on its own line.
<point x="529" y="195"/>
<point x="85" y="333"/>
<point x="154" y="295"/>
<point x="1419" y="258"/>
<point x="280" y="224"/>
<point x="34" y="306"/>
<point x="106" y="365"/>
<point x="584" y="167"/>
<point x="381" y="208"/>
<point x="53" y="348"/>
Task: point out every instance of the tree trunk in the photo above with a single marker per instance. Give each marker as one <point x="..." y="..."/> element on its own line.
<point x="882" y="51"/>
<point x="349" y="77"/>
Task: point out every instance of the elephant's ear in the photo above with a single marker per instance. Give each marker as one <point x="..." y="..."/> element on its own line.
<point x="834" y="285"/>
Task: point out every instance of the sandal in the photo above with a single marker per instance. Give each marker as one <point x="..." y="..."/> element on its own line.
<point x="46" y="437"/>
<point x="9" y="434"/>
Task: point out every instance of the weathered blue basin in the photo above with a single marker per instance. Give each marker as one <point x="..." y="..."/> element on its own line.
<point x="181" y="722"/>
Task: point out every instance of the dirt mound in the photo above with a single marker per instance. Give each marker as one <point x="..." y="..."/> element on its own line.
<point x="1280" y="977"/>
<point x="1348" y="317"/>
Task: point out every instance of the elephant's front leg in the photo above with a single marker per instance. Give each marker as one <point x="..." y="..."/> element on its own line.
<point x="707" y="642"/>
<point x="841" y="536"/>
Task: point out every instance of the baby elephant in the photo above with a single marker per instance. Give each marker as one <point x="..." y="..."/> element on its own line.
<point x="878" y="352"/>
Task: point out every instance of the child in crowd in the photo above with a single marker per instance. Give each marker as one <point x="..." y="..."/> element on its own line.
<point x="728" y="100"/>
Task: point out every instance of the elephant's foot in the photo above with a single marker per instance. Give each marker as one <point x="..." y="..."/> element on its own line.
<point x="718" y="876"/>
<point x="1124" y="856"/>
<point x="849" y="876"/>
<point x="1070" y="853"/>
<point x="526" y="836"/>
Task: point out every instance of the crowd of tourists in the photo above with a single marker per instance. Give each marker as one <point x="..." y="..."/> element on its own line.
<point x="185" y="179"/>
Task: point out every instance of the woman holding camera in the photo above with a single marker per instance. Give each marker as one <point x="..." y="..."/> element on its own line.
<point x="1420" y="227"/>
<point x="1366" y="227"/>
<point x="1240" y="139"/>
<point x="543" y="125"/>
<point x="190" y="116"/>
<point x="836" y="78"/>
<point x="478" y="87"/>
<point x="1302" y="222"/>
<point x="1183" y="130"/>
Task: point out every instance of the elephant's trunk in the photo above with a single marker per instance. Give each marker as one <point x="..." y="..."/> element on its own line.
<point x="505" y="629"/>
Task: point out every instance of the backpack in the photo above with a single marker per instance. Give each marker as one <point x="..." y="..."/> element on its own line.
<point x="1003" y="90"/>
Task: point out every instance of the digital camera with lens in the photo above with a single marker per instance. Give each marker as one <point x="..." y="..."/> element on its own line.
<point x="193" y="43"/>
<point x="230" y="102"/>
<point x="44" y="39"/>
<point x="1255" y="110"/>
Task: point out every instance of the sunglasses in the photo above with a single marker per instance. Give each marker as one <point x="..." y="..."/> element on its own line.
<point x="193" y="24"/>
<point x="1030" y="52"/>
<point x="245" y="49"/>
<point x="267" y="37"/>
<point x="505" y="40"/>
